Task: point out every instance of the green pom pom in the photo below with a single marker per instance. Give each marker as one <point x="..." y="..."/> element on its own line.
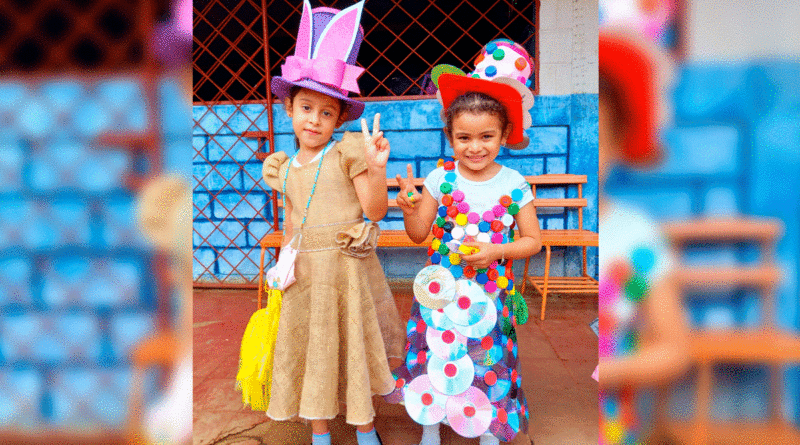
<point x="443" y="249"/>
<point x="446" y="188"/>
<point x="520" y="308"/>
<point x="630" y="342"/>
<point x="505" y="326"/>
<point x="636" y="288"/>
<point x="440" y="221"/>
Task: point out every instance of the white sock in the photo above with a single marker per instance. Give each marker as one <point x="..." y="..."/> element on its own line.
<point x="430" y="435"/>
<point x="489" y="439"/>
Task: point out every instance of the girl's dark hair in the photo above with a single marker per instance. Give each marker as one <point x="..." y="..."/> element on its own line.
<point x="610" y="95"/>
<point x="477" y="103"/>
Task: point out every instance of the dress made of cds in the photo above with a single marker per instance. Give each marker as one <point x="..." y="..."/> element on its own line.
<point x="462" y="362"/>
<point x="338" y="322"/>
<point x="631" y="262"/>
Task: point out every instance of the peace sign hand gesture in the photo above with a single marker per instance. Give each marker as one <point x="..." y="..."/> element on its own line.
<point x="407" y="197"/>
<point x="376" y="147"/>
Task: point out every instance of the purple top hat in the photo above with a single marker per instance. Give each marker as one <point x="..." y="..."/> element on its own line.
<point x="325" y="55"/>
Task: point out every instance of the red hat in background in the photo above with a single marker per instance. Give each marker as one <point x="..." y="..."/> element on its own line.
<point x="634" y="68"/>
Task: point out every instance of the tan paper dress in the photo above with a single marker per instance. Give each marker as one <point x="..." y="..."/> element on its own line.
<point x="339" y="321"/>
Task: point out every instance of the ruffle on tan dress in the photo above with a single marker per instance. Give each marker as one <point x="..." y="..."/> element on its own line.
<point x="339" y="321"/>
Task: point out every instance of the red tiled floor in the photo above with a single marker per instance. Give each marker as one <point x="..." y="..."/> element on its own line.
<point x="557" y="357"/>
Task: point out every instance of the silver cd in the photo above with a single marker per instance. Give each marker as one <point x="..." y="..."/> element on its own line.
<point x="423" y="402"/>
<point x="451" y="376"/>
<point x="470" y="413"/>
<point x="483" y="327"/>
<point x="469" y="304"/>
<point x="436" y="318"/>
<point x="448" y="344"/>
<point x="434" y="287"/>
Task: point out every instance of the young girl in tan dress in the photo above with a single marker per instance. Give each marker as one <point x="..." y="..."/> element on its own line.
<point x="338" y="321"/>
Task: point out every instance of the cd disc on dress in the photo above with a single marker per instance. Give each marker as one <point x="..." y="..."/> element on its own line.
<point x="436" y="318"/>
<point x="451" y="376"/>
<point x="483" y="327"/>
<point x="470" y="413"/>
<point x="434" y="287"/>
<point x="494" y="381"/>
<point x="402" y="377"/>
<point x="448" y="344"/>
<point x="485" y="351"/>
<point x="522" y="408"/>
<point x="469" y="305"/>
<point x="415" y="333"/>
<point x="423" y="402"/>
<point x="417" y="361"/>
<point x="505" y="424"/>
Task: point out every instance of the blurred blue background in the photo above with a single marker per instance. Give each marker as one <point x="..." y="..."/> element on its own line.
<point x="732" y="148"/>
<point x="76" y="278"/>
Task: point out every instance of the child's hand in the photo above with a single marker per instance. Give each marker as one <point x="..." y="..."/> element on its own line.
<point x="376" y="146"/>
<point x="486" y="254"/>
<point x="407" y="197"/>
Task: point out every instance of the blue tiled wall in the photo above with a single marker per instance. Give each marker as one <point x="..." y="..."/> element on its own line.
<point x="563" y="140"/>
<point x="734" y="148"/>
<point x="76" y="287"/>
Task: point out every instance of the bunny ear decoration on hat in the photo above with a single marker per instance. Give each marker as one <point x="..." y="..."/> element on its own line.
<point x="339" y="36"/>
<point x="325" y="54"/>
<point x="305" y="33"/>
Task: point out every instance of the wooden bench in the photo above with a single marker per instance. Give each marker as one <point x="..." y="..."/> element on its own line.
<point x="708" y="348"/>
<point x="567" y="237"/>
<point x="399" y="238"/>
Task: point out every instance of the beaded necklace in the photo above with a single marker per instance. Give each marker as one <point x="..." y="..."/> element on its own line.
<point x="456" y="224"/>
<point x="313" y="188"/>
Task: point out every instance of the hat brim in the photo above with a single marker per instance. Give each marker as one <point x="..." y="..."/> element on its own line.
<point x="629" y="65"/>
<point x="452" y="86"/>
<point x="282" y="87"/>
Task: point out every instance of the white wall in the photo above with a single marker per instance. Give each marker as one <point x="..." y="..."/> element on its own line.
<point x="568" y="47"/>
<point x="742" y="29"/>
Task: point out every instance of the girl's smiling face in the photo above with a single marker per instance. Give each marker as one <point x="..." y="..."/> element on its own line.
<point x="314" y="118"/>
<point x="476" y="139"/>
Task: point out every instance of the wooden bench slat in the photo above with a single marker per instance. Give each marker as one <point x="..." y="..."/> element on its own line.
<point x="726" y="277"/>
<point x="724" y="229"/>
<point x="560" y="202"/>
<point x="556" y="179"/>
<point x="537" y="202"/>
<point x="745" y="347"/>
<point x="572" y="238"/>
<point x="387" y="238"/>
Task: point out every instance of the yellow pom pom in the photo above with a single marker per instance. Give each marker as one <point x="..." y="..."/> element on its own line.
<point x="455" y="258"/>
<point x="502" y="282"/>
<point x="461" y="219"/>
<point x="614" y="432"/>
<point x="440" y="163"/>
<point x="435" y="244"/>
<point x="468" y="250"/>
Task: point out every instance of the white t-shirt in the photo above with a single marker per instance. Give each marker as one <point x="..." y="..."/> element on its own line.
<point x="629" y="238"/>
<point x="482" y="196"/>
<point x="625" y="233"/>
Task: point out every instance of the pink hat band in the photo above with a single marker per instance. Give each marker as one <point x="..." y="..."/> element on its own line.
<point x="333" y="72"/>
